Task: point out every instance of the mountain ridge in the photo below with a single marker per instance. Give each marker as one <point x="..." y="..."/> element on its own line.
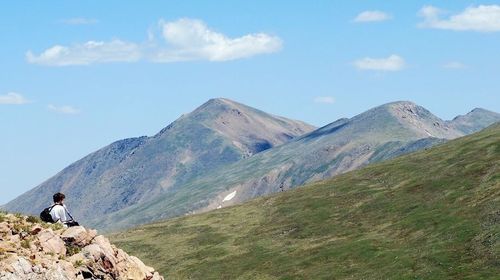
<point x="226" y="149"/>
<point x="133" y="170"/>
<point x="432" y="214"/>
<point x="380" y="133"/>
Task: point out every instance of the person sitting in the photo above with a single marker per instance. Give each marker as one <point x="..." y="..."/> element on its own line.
<point x="60" y="213"/>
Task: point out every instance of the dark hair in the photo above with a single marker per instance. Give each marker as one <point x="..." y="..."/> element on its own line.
<point x="58" y="197"/>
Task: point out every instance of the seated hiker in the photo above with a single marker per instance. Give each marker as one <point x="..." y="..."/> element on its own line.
<point x="60" y="213"/>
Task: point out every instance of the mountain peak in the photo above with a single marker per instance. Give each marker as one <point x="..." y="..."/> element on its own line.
<point x="401" y="103"/>
<point x="220" y="101"/>
<point x="474" y="120"/>
<point x="481" y="111"/>
<point x="412" y="117"/>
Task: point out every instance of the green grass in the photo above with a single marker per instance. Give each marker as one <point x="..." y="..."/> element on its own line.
<point x="434" y="214"/>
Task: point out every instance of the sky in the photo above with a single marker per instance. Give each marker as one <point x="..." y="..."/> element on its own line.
<point x="78" y="75"/>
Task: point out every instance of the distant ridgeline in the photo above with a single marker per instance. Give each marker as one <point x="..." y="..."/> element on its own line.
<point x="433" y="214"/>
<point x="225" y="153"/>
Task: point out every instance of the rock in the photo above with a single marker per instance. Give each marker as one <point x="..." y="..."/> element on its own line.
<point x="7" y="247"/>
<point x="78" y="260"/>
<point x="4" y="228"/>
<point x="22" y="266"/>
<point x="14" y="239"/>
<point x="35" y="230"/>
<point x="91" y="256"/>
<point x="92" y="233"/>
<point x="51" y="243"/>
<point x="58" y="273"/>
<point x="93" y="252"/>
<point x="77" y="235"/>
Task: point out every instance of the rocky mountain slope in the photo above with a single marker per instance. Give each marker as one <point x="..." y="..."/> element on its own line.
<point x="31" y="250"/>
<point x="381" y="133"/>
<point x="474" y="120"/>
<point x="433" y="214"/>
<point x="133" y="171"/>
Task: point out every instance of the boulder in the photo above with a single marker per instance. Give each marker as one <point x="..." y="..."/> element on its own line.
<point x="22" y="266"/>
<point x="51" y="243"/>
<point x="77" y="235"/>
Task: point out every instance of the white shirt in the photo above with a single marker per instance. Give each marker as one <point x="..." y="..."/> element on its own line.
<point x="59" y="214"/>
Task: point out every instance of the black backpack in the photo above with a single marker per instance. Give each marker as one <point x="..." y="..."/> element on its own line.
<point x="45" y="214"/>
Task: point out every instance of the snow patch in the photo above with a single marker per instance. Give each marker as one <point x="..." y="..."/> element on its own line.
<point x="428" y="133"/>
<point x="229" y="196"/>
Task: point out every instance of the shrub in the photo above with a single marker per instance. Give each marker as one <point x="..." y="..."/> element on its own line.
<point x="26" y="244"/>
<point x="72" y="250"/>
<point x="56" y="226"/>
<point x="78" y="263"/>
<point x="33" y="219"/>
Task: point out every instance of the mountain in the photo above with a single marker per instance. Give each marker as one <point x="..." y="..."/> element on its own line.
<point x="135" y="170"/>
<point x="347" y="144"/>
<point x="433" y="214"/>
<point x="474" y="120"/>
<point x="33" y="250"/>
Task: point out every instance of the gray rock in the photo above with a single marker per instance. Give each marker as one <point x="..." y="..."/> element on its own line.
<point x="48" y="259"/>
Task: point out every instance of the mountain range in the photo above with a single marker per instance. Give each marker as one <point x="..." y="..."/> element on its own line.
<point x="224" y="153"/>
<point x="134" y="170"/>
<point x="433" y="214"/>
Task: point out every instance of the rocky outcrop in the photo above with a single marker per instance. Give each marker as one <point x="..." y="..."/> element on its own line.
<point x="33" y="250"/>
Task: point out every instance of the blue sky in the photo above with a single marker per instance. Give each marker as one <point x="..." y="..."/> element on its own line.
<point x="78" y="75"/>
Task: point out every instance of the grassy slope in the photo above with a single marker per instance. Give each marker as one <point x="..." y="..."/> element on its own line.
<point x="429" y="215"/>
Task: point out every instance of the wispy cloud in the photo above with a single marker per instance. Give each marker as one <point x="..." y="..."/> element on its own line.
<point x="324" y="99"/>
<point x="79" y="21"/>
<point x="65" y="109"/>
<point x="454" y="65"/>
<point x="87" y="53"/>
<point x="391" y="63"/>
<point x="13" y="98"/>
<point x="372" y="16"/>
<point x="482" y="18"/>
<point x="181" y="40"/>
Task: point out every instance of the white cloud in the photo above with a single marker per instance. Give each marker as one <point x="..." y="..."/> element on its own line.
<point x="184" y="39"/>
<point x="482" y="18"/>
<point x="87" y="53"/>
<point x="391" y="63"/>
<point x="324" y="99"/>
<point x="372" y="16"/>
<point x="65" y="109"/>
<point x="454" y="65"/>
<point x="79" y="21"/>
<point x="13" y="98"/>
<point x="193" y="40"/>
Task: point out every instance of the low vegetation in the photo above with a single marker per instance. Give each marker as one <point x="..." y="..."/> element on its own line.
<point x="434" y="214"/>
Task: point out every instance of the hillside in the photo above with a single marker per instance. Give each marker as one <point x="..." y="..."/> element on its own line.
<point x="133" y="171"/>
<point x="433" y="214"/>
<point x="378" y="134"/>
<point x="33" y="250"/>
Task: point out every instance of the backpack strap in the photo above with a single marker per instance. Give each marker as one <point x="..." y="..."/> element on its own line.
<point x="66" y="209"/>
